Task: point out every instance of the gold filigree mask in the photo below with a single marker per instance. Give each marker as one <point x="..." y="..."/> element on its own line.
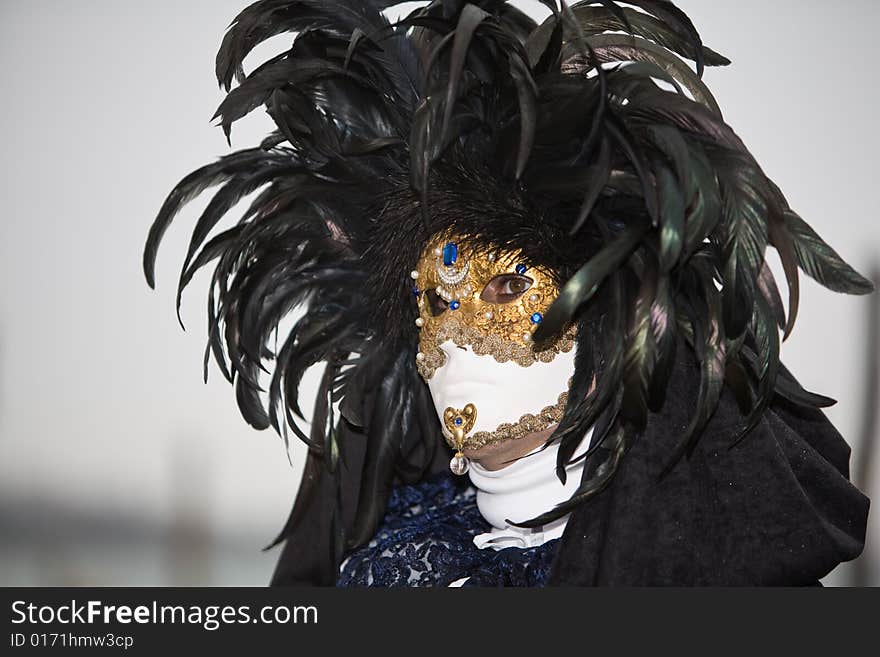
<point x="489" y="301"/>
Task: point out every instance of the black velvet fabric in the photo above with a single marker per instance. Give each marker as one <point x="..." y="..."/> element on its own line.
<point x="778" y="509"/>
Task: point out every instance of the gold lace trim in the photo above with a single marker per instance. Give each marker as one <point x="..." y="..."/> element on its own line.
<point x="526" y="425"/>
<point x="484" y="344"/>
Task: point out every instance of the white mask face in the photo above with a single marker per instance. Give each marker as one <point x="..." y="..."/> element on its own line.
<point x="511" y="401"/>
<point x="477" y="312"/>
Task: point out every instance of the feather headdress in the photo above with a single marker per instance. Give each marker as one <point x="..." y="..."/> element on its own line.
<point x="586" y="142"/>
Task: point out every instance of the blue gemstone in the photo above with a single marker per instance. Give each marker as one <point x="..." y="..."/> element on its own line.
<point x="536" y="318"/>
<point x="521" y="269"/>
<point x="416" y="292"/>
<point x="455" y="305"/>
<point x="450" y="254"/>
<point x="458" y="421"/>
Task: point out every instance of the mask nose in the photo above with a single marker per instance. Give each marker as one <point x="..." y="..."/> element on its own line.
<point x="464" y="368"/>
<point x="449" y="372"/>
<point x="452" y="350"/>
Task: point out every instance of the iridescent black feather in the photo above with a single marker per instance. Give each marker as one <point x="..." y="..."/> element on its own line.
<point x="586" y="142"/>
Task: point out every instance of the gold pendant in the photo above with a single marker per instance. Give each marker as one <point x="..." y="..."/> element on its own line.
<point x="458" y="423"/>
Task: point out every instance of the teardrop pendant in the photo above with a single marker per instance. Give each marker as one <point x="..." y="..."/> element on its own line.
<point x="459" y="464"/>
<point x="456" y="425"/>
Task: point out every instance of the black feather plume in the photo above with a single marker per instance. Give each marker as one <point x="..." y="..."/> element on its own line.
<point x="587" y="143"/>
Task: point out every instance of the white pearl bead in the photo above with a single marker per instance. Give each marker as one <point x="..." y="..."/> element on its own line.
<point x="420" y="356"/>
<point x="437" y="251"/>
<point x="533" y="298"/>
<point x="491" y="257"/>
<point x="414" y="274"/>
<point x="420" y="322"/>
<point x="527" y="337"/>
<point x="489" y="315"/>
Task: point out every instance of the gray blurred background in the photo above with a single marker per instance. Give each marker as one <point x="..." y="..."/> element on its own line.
<point x="118" y="465"/>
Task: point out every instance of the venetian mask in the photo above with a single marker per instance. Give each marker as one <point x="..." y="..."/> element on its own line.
<point x="477" y="313"/>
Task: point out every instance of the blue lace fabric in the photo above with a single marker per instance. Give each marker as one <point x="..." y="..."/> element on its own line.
<point x="426" y="539"/>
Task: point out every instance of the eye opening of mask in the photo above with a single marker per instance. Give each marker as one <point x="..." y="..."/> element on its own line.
<point x="506" y="288"/>
<point x="435" y="303"/>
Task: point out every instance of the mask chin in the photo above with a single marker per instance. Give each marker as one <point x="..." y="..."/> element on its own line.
<point x="503" y="393"/>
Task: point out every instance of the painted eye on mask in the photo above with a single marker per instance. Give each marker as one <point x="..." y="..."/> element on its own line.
<point x="435" y="304"/>
<point x="506" y="288"/>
